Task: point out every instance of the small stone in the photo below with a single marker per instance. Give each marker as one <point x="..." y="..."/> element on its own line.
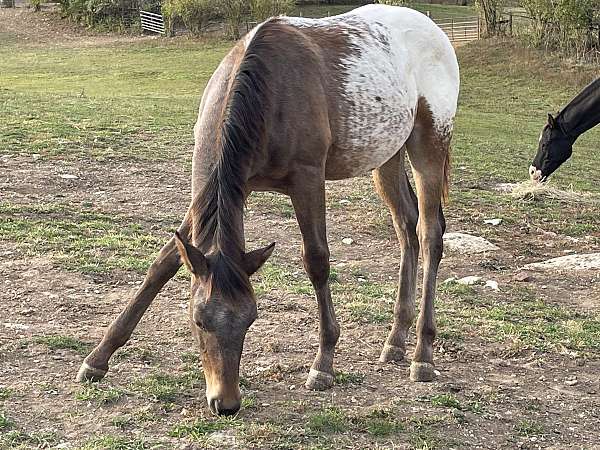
<point x="494" y="222"/>
<point x="571" y="382"/>
<point x="67" y="176"/>
<point x="469" y="281"/>
<point x="492" y="285"/>
<point x="348" y="241"/>
<point x="344" y="202"/>
<point x="522" y="277"/>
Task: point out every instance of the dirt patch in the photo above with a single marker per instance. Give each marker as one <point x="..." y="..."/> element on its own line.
<point x="517" y="391"/>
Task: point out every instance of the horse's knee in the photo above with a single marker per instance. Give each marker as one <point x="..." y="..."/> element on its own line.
<point x="316" y="262"/>
<point x="432" y="243"/>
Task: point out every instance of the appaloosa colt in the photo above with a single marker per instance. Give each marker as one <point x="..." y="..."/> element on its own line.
<point x="297" y="102"/>
<point x="560" y="132"/>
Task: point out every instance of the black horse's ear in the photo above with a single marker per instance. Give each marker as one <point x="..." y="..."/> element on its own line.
<point x="551" y="121"/>
<point x="191" y="256"/>
<point x="256" y="258"/>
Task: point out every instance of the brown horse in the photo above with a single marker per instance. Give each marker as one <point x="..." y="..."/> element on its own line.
<point x="295" y="103"/>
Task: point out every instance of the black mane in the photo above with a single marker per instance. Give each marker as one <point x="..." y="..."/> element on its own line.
<point x="216" y="208"/>
<point x="582" y="113"/>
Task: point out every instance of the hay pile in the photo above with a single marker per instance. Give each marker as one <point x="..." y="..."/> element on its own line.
<point x="532" y="191"/>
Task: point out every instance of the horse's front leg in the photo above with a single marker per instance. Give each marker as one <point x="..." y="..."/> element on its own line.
<point x="308" y="198"/>
<point x="164" y="267"/>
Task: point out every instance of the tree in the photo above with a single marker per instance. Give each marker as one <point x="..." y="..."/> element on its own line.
<point x="491" y="11"/>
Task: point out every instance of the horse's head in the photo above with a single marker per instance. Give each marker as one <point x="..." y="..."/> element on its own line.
<point x="554" y="148"/>
<point x="222" y="308"/>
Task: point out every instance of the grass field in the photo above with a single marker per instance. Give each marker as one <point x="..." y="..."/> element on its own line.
<point x="518" y="367"/>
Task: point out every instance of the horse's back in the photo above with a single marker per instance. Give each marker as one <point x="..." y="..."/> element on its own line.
<point x="393" y="58"/>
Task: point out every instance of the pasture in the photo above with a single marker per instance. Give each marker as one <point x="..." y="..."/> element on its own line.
<point x="95" y="151"/>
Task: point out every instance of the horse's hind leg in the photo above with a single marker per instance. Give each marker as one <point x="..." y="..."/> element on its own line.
<point x="308" y="198"/>
<point x="392" y="185"/>
<point x="428" y="150"/>
<point x="164" y="267"/>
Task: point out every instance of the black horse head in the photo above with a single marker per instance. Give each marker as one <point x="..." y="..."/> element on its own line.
<point x="555" y="147"/>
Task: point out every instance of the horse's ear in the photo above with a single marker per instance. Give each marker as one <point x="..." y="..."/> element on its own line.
<point x="256" y="258"/>
<point x="551" y="121"/>
<point x="191" y="256"/>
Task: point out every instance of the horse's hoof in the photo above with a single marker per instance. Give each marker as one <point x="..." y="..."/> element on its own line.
<point x="89" y="373"/>
<point x="318" y="381"/>
<point x="391" y="353"/>
<point x="422" y="371"/>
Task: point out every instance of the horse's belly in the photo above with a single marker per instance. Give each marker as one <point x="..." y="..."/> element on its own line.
<point x="366" y="148"/>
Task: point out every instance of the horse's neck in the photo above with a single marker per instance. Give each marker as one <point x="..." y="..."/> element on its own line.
<point x="583" y="112"/>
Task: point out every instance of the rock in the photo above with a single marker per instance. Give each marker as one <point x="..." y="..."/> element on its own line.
<point x="589" y="261"/>
<point x="449" y="280"/>
<point x="522" y="276"/>
<point x="348" y="241"/>
<point x="493" y="222"/>
<point x="492" y="285"/>
<point x="571" y="381"/>
<point x="469" y="281"/>
<point x="15" y="326"/>
<point x="66" y="176"/>
<point x="344" y="202"/>
<point x="467" y="244"/>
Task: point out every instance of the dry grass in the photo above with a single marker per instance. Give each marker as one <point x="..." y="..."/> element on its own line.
<point x="534" y="191"/>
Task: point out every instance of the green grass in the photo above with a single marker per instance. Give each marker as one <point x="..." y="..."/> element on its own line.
<point x="132" y="100"/>
<point x="526" y="427"/>
<point x="108" y="442"/>
<point x="58" y="342"/>
<point x="328" y="420"/>
<point x="82" y="240"/>
<point x="4" y="422"/>
<point x="165" y="387"/>
<point x="100" y="394"/>
<point x="5" y="392"/>
<point x="201" y="427"/>
<point x="350" y="378"/>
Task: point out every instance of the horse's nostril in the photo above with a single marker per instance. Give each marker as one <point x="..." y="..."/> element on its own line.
<point x="217" y="407"/>
<point x="213" y="404"/>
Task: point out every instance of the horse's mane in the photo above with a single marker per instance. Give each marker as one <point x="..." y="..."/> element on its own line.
<point x="583" y="112"/>
<point x="214" y="209"/>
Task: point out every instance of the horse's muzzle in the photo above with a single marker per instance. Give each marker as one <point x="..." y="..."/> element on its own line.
<point x="535" y="174"/>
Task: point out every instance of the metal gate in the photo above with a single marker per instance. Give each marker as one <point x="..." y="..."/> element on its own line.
<point x="461" y="30"/>
<point x="152" y="22"/>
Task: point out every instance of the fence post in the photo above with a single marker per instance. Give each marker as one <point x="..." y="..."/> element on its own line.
<point x="510" y="22"/>
<point x="452" y="29"/>
<point x="428" y="13"/>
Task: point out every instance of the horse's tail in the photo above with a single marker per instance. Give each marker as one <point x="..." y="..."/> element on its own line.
<point x="446" y="185"/>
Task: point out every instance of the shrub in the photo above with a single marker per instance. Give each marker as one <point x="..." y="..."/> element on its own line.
<point x="567" y="25"/>
<point x="234" y="12"/>
<point x="195" y="14"/>
<point x="36" y="5"/>
<point x="263" y="9"/>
